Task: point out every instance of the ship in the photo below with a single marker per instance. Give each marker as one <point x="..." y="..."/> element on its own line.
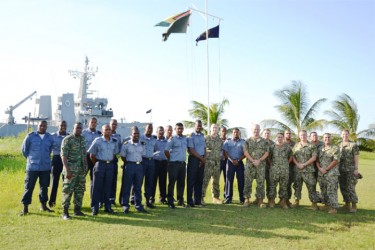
<point x="70" y="109"/>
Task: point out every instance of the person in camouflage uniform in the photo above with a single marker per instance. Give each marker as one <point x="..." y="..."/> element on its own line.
<point x="256" y="150"/>
<point x="280" y="157"/>
<point x="212" y="168"/>
<point x="348" y="171"/>
<point x="267" y="136"/>
<point x="328" y="158"/>
<point x="314" y="139"/>
<point x="304" y="155"/>
<point x="73" y="154"/>
<point x="290" y="143"/>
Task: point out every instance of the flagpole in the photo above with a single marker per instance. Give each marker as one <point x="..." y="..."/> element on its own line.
<point x="208" y="74"/>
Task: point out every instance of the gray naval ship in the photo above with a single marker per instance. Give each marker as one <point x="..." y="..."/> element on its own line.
<point x="69" y="109"/>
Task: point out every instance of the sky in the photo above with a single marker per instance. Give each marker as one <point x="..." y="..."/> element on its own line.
<point x="264" y="45"/>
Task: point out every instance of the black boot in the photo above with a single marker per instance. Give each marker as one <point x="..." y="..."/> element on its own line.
<point x="77" y="211"/>
<point x="44" y="208"/>
<point x="25" y="210"/>
<point x="66" y="215"/>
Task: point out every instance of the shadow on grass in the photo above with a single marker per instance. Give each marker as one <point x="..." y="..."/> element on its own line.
<point x="235" y="220"/>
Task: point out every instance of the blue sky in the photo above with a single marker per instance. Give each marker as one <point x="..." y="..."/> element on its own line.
<point x="263" y="46"/>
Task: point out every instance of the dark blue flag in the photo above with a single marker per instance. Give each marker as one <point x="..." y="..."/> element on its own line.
<point x="212" y="33"/>
<point x="148" y="111"/>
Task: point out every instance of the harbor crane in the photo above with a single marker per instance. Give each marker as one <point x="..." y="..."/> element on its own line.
<point x="11" y="108"/>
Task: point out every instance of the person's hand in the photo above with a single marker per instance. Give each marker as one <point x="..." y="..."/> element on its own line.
<point x="68" y="174"/>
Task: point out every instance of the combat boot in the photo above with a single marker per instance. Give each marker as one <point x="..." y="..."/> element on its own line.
<point x="261" y="204"/>
<point x="271" y="202"/>
<point x="77" y="211"/>
<point x="346" y="206"/>
<point x="25" y="210"/>
<point x="332" y="210"/>
<point x="288" y="203"/>
<point x="314" y="206"/>
<point x="65" y="214"/>
<point x="283" y="204"/>
<point x="246" y="202"/>
<point x="296" y="203"/>
<point x="44" y="208"/>
<point x="353" y="209"/>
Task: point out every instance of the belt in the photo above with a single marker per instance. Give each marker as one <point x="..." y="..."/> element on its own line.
<point x="107" y="162"/>
<point x="135" y="162"/>
<point x="178" y="162"/>
<point x="148" y="158"/>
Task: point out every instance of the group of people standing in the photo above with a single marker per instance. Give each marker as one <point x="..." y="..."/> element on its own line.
<point x="152" y="159"/>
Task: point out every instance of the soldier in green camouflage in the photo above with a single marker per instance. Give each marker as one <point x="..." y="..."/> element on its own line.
<point x="314" y="139"/>
<point x="348" y="171"/>
<point x="267" y="137"/>
<point x="304" y="156"/>
<point x="328" y="158"/>
<point x="280" y="157"/>
<point x="73" y="154"/>
<point x="256" y="150"/>
<point x="288" y="140"/>
<point x="212" y="168"/>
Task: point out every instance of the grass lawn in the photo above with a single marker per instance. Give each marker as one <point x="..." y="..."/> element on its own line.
<point x="211" y="227"/>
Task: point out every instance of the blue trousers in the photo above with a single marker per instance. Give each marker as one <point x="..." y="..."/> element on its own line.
<point x="57" y="167"/>
<point x="239" y="170"/>
<point x="176" y="173"/>
<point x="195" y="174"/>
<point x="223" y="168"/>
<point x="149" y="173"/>
<point x="133" y="176"/>
<point x="112" y="195"/>
<point x="30" y="181"/>
<point x="101" y="184"/>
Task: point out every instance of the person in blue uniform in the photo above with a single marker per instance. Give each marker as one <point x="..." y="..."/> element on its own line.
<point x="176" y="154"/>
<point x="37" y="148"/>
<point x="131" y="154"/>
<point x="90" y="135"/>
<point x="148" y="163"/>
<point x="57" y="164"/>
<point x="112" y="196"/>
<point x="102" y="151"/>
<point x="233" y="151"/>
<point x="161" y="164"/>
<point x="223" y="160"/>
<point x="195" y="167"/>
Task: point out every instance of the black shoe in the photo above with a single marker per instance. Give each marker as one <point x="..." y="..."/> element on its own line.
<point x="25" y="210"/>
<point x="142" y="210"/>
<point x="44" y="208"/>
<point x="171" y="205"/>
<point x="94" y="212"/>
<point x="126" y="209"/>
<point x="132" y="202"/>
<point x="65" y="215"/>
<point x="227" y="202"/>
<point x="181" y="204"/>
<point x="190" y="205"/>
<point x="51" y="204"/>
<point x="150" y="205"/>
<point x="109" y="211"/>
<point x="78" y="212"/>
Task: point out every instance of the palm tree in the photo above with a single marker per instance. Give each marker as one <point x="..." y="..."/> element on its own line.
<point x="199" y="112"/>
<point x="295" y="110"/>
<point x="344" y="115"/>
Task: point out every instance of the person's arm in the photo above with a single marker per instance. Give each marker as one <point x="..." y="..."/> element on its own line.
<point x="356" y="165"/>
<point x="66" y="166"/>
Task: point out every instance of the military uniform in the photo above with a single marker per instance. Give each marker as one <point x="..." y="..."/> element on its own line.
<point x="223" y="165"/>
<point x="161" y="168"/>
<point x="104" y="152"/>
<point x="329" y="181"/>
<point x="194" y="171"/>
<point x="291" y="171"/>
<point x="57" y="165"/>
<point x="112" y="195"/>
<point x="279" y="170"/>
<point x="37" y="151"/>
<point x="74" y="149"/>
<point x="268" y="166"/>
<point x="148" y="164"/>
<point x="133" y="174"/>
<point x="177" y="147"/>
<point x="347" y="180"/>
<point x="303" y="152"/>
<point x="90" y="136"/>
<point x="212" y="167"/>
<point x="234" y="149"/>
<point x="256" y="148"/>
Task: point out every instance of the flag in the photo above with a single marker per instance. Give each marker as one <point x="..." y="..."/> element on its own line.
<point x="212" y="33"/>
<point x="176" y="24"/>
<point x="148" y="111"/>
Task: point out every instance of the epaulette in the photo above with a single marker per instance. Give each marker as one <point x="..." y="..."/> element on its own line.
<point x="100" y="133"/>
<point x="154" y="136"/>
<point x="114" y="139"/>
<point x="143" y="143"/>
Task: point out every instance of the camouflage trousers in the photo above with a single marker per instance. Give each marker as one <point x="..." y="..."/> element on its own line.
<point x="329" y="186"/>
<point x="211" y="169"/>
<point x="310" y="180"/>
<point x="251" y="173"/>
<point x="76" y="185"/>
<point x="290" y="181"/>
<point x="347" y="182"/>
<point x="281" y="179"/>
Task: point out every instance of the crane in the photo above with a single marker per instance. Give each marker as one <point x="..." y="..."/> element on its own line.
<point x="11" y="108"/>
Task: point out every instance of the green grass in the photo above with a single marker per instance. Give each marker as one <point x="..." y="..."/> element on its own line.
<point x="212" y="227"/>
